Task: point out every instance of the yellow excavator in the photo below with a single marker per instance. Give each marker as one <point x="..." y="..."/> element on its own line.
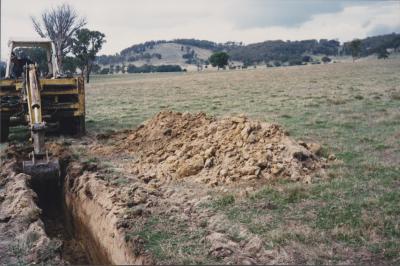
<point x="41" y="99"/>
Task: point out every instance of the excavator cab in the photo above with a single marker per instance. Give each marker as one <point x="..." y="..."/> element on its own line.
<point x="41" y="101"/>
<point x="46" y="46"/>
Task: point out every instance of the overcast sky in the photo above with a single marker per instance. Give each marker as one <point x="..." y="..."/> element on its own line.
<point x="126" y="22"/>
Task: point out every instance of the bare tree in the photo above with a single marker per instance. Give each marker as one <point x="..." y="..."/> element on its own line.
<point x="59" y="24"/>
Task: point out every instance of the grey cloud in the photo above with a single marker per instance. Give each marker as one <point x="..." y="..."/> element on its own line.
<point x="132" y="21"/>
<point x="287" y="13"/>
<point x="366" y="24"/>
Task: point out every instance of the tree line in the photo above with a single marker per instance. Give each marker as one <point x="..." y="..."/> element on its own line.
<point x="138" y="69"/>
<point x="273" y="53"/>
<point x="283" y="51"/>
<point x="293" y="52"/>
<point x="373" y="45"/>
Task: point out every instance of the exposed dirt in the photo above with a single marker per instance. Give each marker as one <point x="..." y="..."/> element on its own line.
<point x="167" y="167"/>
<point x="23" y="238"/>
<point x="59" y="221"/>
<point x="97" y="212"/>
<point x="235" y="149"/>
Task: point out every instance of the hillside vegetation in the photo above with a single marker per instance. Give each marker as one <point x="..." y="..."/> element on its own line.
<point x="372" y="45"/>
<point x="158" y="54"/>
<point x="186" y="52"/>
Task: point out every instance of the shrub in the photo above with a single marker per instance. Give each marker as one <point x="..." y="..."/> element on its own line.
<point x="307" y="58"/>
<point x="151" y="68"/>
<point x="326" y="59"/>
<point x="295" y="62"/>
<point x="105" y="71"/>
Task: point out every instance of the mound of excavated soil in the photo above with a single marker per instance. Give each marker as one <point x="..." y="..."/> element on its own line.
<point x="215" y="151"/>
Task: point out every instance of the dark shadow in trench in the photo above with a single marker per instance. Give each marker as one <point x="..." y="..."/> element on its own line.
<point x="57" y="219"/>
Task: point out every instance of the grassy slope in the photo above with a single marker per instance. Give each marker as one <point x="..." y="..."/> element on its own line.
<point x="171" y="54"/>
<point x="352" y="109"/>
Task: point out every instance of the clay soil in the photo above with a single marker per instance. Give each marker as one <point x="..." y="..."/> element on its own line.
<point x="232" y="150"/>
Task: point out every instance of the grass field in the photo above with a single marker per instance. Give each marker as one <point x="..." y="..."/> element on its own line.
<point x="352" y="109"/>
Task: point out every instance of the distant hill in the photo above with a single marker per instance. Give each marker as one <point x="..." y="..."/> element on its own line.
<point x="180" y="52"/>
<point x="192" y="52"/>
<point x="294" y="51"/>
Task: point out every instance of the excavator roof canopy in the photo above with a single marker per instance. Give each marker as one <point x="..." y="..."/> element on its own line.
<point x="23" y="42"/>
<point x="46" y="44"/>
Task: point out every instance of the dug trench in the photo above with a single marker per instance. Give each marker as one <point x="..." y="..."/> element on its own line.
<point x="78" y="245"/>
<point x="58" y="221"/>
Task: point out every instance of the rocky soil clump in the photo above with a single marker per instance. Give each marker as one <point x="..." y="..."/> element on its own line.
<point x="174" y="146"/>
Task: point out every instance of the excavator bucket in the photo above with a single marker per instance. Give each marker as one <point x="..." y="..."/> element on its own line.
<point x="42" y="170"/>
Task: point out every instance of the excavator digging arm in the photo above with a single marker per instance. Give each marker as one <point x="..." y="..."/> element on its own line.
<point x="40" y="166"/>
